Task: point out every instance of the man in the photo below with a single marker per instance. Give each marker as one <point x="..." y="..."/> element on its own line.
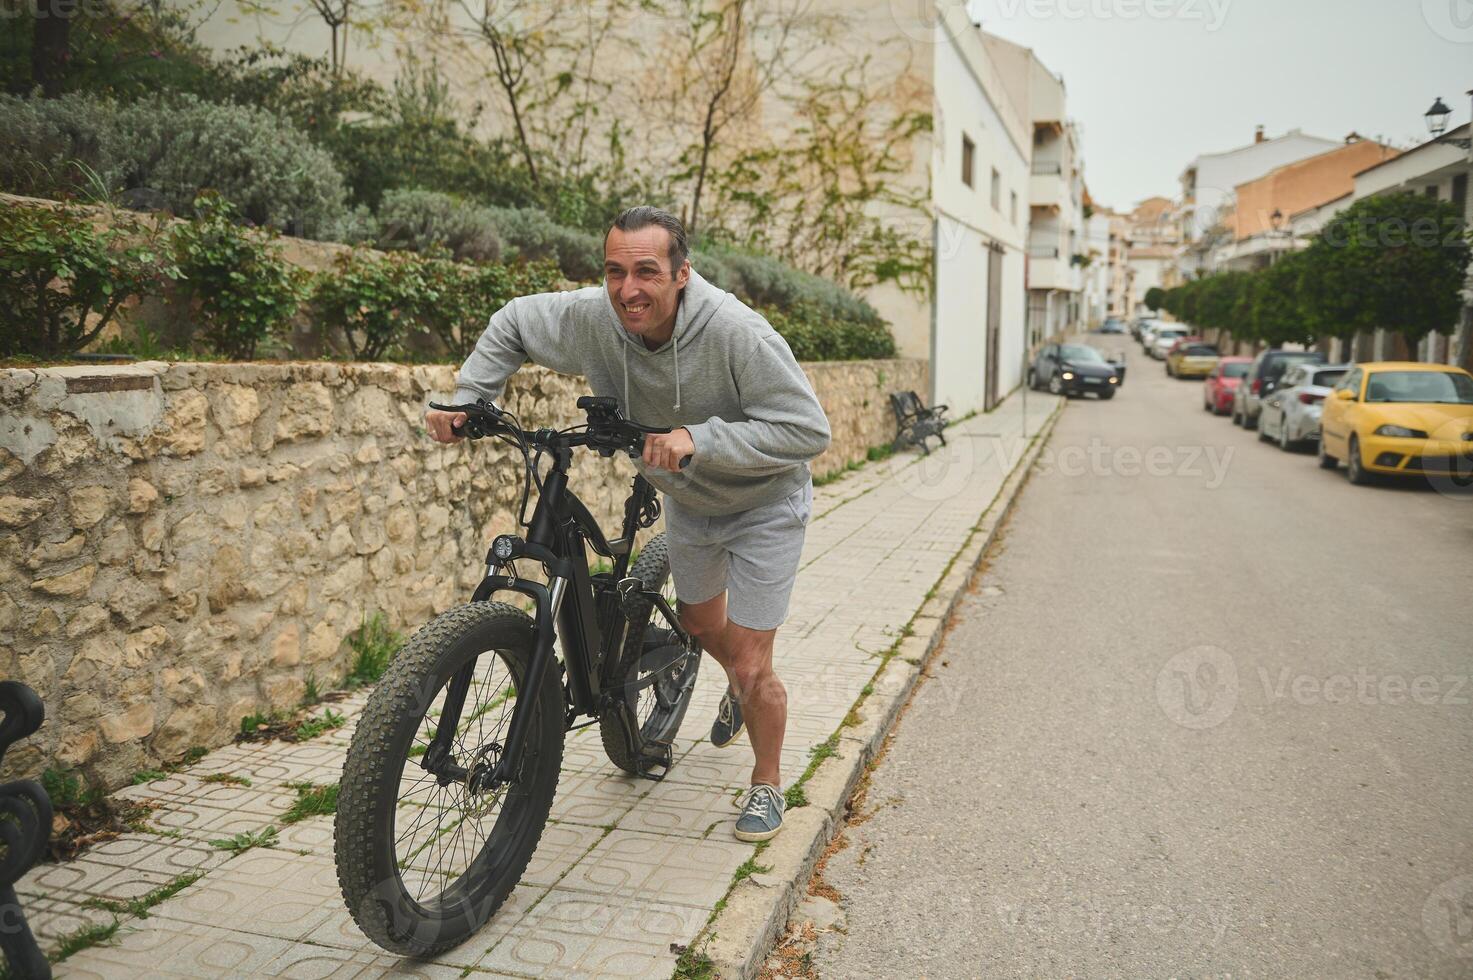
<point x="744" y="412"/>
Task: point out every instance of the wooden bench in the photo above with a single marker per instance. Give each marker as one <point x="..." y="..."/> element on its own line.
<point x="914" y="422"/>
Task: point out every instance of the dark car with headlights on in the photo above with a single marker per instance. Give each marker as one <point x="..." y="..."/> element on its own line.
<point x="1074" y="369"/>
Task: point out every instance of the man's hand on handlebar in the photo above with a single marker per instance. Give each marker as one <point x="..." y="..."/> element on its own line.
<point x="665" y="450"/>
<point x="439" y="424"/>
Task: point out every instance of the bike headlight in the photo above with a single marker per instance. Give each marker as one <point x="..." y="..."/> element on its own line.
<point x="504" y="546"/>
<point x="1401" y="431"/>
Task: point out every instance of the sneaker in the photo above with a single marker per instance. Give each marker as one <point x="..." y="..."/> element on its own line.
<point x="762" y="813"/>
<point x="728" y="724"/>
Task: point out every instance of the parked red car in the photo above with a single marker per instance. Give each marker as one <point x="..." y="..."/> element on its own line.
<point x="1217" y="390"/>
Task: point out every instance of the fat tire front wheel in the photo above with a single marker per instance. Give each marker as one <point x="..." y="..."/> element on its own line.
<point x="400" y="890"/>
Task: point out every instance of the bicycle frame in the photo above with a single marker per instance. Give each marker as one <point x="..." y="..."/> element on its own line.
<point x="560" y="528"/>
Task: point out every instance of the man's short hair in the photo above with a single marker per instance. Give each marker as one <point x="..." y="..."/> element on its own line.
<point x="645" y="216"/>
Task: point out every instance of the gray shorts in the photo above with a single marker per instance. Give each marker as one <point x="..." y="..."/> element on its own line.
<point x="752" y="555"/>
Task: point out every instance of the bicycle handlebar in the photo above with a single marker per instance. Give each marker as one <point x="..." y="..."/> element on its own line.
<point x="607" y="431"/>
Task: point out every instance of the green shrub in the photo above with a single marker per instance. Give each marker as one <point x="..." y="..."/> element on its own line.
<point x="57" y="272"/>
<point x="815" y="336"/>
<point x="468" y="293"/>
<point x="420" y="220"/>
<point x="165" y="149"/>
<point x="373" y="300"/>
<point x="245" y="291"/>
<point x="424" y="220"/>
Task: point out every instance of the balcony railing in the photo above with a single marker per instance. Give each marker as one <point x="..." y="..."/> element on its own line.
<point x="1045" y="167"/>
<point x="1042" y="252"/>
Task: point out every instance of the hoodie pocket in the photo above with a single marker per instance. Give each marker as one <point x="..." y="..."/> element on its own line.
<point x="800" y="502"/>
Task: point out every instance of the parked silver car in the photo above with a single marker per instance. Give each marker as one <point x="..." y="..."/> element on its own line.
<point x="1162" y="338"/>
<point x="1291" y="415"/>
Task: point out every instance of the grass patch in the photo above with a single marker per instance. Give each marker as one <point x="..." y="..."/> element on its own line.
<point x="83" y="938"/>
<point x="374" y="646"/>
<point x="312" y="801"/>
<point x="84" y="815"/>
<point x="147" y="776"/>
<point x="243" y="842"/>
<point x="310" y="694"/>
<point x="795" y="796"/>
<point x="313" y="727"/>
<point x="261" y="725"/>
<point x="692" y="965"/>
<point x="226" y="778"/>
<point x="139" y="906"/>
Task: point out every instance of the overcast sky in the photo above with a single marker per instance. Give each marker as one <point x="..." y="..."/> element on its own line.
<point x="1153" y="83"/>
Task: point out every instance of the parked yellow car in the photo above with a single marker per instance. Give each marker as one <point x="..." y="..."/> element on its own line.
<point x="1191" y="359"/>
<point x="1402" y="418"/>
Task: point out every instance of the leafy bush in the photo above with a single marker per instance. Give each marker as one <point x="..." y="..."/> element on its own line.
<point x="373" y="299"/>
<point x="244" y="289"/>
<point x="765" y="281"/>
<point x="815" y="336"/>
<point x="469" y="293"/>
<point x="423" y="220"/>
<point x="62" y="282"/>
<point x="419" y="220"/>
<point x="169" y="148"/>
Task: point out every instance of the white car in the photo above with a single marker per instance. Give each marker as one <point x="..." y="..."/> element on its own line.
<point x="1147" y="329"/>
<point x="1162" y="339"/>
<point x="1291" y="415"/>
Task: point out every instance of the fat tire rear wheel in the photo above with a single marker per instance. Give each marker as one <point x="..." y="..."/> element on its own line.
<point x="388" y="742"/>
<point x="650" y="717"/>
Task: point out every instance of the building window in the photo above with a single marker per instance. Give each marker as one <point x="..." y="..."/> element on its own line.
<point x="1013" y="208"/>
<point x="969" y="151"/>
<point x="996" y="190"/>
<point x="1460" y="194"/>
<point x="1431" y="191"/>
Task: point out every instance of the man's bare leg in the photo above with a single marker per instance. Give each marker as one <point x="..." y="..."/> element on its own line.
<point x="746" y="656"/>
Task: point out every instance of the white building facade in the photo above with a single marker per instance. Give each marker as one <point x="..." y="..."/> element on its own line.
<point x="979" y="181"/>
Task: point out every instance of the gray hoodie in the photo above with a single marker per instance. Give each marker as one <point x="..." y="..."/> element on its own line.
<point x="725" y="375"/>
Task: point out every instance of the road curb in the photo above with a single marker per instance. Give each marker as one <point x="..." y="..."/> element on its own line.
<point x="740" y="936"/>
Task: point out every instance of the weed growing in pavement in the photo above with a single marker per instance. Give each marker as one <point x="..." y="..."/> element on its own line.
<point x="692" y="965"/>
<point x="374" y="646"/>
<point x="86" y="937"/>
<point x="139" y="906"/>
<point x="84" y="815"/>
<point x="312" y="801"/>
<point x="310" y="694"/>
<point x="227" y="778"/>
<point x="313" y="727"/>
<point x="794" y="797"/>
<point x="243" y="842"/>
<point x="147" y="776"/>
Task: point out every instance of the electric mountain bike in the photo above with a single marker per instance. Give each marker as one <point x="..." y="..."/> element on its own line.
<point x="455" y="759"/>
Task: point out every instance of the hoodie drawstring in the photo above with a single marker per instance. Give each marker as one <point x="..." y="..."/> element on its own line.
<point x="675" y="340"/>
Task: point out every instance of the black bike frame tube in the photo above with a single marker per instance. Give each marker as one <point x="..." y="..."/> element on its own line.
<point x="577" y="623"/>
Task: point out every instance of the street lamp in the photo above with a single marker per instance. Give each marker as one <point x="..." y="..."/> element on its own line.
<point x="1437" y="124"/>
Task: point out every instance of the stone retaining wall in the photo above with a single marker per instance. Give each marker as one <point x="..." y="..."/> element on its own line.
<point x="184" y="544"/>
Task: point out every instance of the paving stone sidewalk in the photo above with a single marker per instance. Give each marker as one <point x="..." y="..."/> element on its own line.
<point x="627" y="867"/>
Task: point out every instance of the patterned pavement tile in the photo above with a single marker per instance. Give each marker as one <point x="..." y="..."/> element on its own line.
<point x="570" y="934"/>
<point x="649" y="867"/>
<point x="267" y="892"/>
<point x="156" y="947"/>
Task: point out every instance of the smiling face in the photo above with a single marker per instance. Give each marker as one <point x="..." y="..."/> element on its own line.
<point x="637" y="275"/>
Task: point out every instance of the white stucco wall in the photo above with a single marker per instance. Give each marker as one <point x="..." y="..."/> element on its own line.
<point x="969" y="100"/>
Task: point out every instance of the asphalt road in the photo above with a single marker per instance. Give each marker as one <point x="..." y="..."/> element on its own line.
<point x="1208" y="713"/>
